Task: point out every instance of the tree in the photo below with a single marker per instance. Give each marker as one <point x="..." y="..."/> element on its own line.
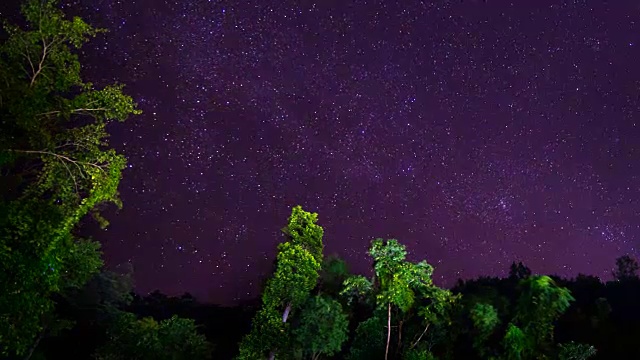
<point x="392" y="276"/>
<point x="519" y="271"/>
<point x="323" y="327"/>
<point x="485" y="320"/>
<point x="296" y="274"/>
<point x="370" y="338"/>
<point x="56" y="164"/>
<point x="540" y="304"/>
<point x="101" y="298"/>
<point x="357" y="288"/>
<point x="146" y="339"/>
<point x="626" y="268"/>
<point x="334" y="273"/>
<point x="529" y="334"/>
<point x="401" y="288"/>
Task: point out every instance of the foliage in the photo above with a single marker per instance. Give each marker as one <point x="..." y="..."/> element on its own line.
<point x="515" y="343"/>
<point x="302" y="230"/>
<point x="419" y="354"/>
<point x="405" y="292"/>
<point x="333" y="274"/>
<point x="80" y="263"/>
<point x="58" y="166"/>
<point x="529" y="333"/>
<point x="485" y="320"/>
<point x="489" y="319"/>
<point x="297" y="266"/>
<point x="147" y="339"/>
<point x="540" y="304"/>
<point x="369" y="340"/>
<point x="392" y="274"/>
<point x="575" y="351"/>
<point x="101" y="298"/>
<point x="323" y="327"/>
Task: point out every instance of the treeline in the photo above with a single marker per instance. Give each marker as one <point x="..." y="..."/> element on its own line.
<point x="57" y="301"/>
<point x="319" y="310"/>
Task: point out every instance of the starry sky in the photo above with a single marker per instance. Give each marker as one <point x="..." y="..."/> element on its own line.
<point x="475" y="132"/>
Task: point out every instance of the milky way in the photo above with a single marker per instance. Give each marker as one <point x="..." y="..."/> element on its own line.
<point x="477" y="133"/>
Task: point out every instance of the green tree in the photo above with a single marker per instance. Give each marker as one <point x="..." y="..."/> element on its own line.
<point x="393" y="278"/>
<point x="101" y="299"/>
<point x="357" y="288"/>
<point x="402" y="288"/>
<point x="540" y="304"/>
<point x="146" y="339"/>
<point x="323" y="327"/>
<point x="370" y="337"/>
<point x="485" y="320"/>
<point x="334" y="273"/>
<point x="516" y="344"/>
<point x="296" y="274"/>
<point x="529" y="332"/>
<point x="56" y="167"/>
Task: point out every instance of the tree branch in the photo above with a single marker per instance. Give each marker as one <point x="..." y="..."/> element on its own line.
<point x="60" y="157"/>
<point x="421" y="335"/>
<point x="74" y="111"/>
<point x="41" y="63"/>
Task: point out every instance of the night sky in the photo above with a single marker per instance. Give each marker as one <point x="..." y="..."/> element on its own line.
<point x="475" y="132"/>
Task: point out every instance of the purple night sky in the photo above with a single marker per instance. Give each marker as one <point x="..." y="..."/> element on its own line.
<point x="475" y="132"/>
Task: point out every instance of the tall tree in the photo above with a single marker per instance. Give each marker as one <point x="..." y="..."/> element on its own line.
<point x="55" y="162"/>
<point x="540" y="304"/>
<point x="392" y="277"/>
<point x="401" y="288"/>
<point x="297" y="265"/>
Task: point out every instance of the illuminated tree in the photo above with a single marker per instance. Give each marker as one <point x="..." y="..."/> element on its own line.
<point x="297" y="266"/>
<point x="399" y="287"/>
<point x="56" y="167"/>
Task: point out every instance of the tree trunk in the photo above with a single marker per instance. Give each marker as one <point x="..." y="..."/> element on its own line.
<point x="285" y="316"/>
<point x="421" y="335"/>
<point x="386" y="352"/>
<point x="35" y="344"/>
<point x="399" y="336"/>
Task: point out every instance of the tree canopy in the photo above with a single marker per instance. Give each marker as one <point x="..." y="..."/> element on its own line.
<point x="56" y="167"/>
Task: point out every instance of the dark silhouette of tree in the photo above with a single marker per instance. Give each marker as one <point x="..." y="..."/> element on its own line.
<point x="519" y="271"/>
<point x="626" y="268"/>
